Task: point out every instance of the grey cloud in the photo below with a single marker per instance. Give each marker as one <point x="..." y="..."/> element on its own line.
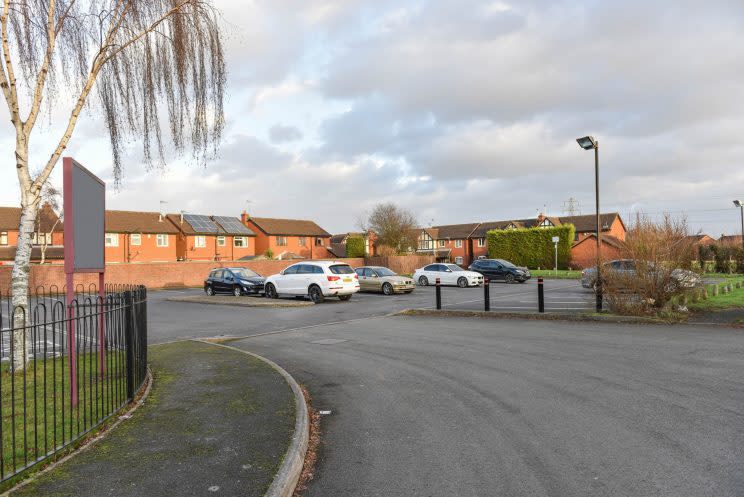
<point x="281" y="134"/>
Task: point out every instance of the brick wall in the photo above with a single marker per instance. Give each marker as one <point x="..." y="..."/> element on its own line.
<point x="401" y="264"/>
<point x="584" y="254"/>
<point x="153" y="275"/>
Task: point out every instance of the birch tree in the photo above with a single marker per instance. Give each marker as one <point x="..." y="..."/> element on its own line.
<point x="153" y="69"/>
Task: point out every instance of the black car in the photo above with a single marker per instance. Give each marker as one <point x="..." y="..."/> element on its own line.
<point x="235" y="280"/>
<point x="499" y="269"/>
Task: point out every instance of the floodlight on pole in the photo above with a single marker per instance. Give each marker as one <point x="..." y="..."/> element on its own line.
<point x="738" y="203"/>
<point x="589" y="143"/>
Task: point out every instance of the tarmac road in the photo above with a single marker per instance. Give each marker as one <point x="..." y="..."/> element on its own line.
<point x="427" y="406"/>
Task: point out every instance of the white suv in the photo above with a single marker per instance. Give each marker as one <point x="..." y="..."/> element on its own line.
<point x="316" y="279"/>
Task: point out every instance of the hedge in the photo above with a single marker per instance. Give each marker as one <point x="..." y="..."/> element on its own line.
<point x="532" y="247"/>
<point x="355" y="246"/>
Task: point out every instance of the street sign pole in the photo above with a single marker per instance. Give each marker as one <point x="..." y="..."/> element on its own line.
<point x="556" y="239"/>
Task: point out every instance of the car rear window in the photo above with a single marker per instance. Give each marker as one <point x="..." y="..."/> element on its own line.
<point x="341" y="269"/>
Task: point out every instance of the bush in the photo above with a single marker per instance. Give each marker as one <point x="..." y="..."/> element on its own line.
<point x="355" y="246"/>
<point x="532" y="247"/>
<point x="657" y="250"/>
<point x="269" y="253"/>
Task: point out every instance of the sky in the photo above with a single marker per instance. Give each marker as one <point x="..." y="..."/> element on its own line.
<point x="461" y="111"/>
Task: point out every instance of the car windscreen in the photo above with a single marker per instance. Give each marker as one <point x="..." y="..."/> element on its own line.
<point x="341" y="269"/>
<point x="454" y="267"/>
<point x="383" y="271"/>
<point x="245" y="273"/>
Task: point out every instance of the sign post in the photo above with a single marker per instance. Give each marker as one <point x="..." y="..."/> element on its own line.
<point x="84" y="201"/>
<point x="556" y="239"/>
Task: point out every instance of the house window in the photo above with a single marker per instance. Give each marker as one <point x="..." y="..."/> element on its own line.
<point x="4" y="238"/>
<point x="425" y="242"/>
<point x="318" y="242"/>
<point x="458" y="243"/>
<point x="221" y="241"/>
<point x="458" y="260"/>
<point x="281" y="241"/>
<point x="441" y="243"/>
<point x="240" y="241"/>
<point x="546" y="223"/>
<point x="112" y="239"/>
<point x="200" y="241"/>
<point x="301" y="241"/>
<point x="135" y="239"/>
<point x="162" y="240"/>
<point x="481" y="242"/>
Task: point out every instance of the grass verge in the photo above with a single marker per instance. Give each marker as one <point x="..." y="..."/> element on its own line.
<point x="731" y="300"/>
<point x="37" y="414"/>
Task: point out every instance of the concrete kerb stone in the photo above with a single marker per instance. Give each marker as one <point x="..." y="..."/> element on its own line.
<point x="122" y="416"/>
<point x="289" y="472"/>
<point x="540" y="317"/>
<point x="240" y="301"/>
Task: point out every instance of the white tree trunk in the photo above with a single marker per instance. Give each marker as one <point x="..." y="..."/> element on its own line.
<point x="20" y="281"/>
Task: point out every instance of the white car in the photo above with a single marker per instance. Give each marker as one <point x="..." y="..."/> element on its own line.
<point x="448" y="274"/>
<point x="316" y="279"/>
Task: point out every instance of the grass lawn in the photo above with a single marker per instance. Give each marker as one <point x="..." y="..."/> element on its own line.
<point x="561" y="274"/>
<point x="37" y="415"/>
<point x="721" y="301"/>
<point x="722" y="275"/>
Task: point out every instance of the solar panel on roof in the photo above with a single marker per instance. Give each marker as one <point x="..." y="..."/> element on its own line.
<point x="232" y="225"/>
<point x="201" y="224"/>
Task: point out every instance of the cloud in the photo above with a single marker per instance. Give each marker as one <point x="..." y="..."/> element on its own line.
<point x="280" y="133"/>
<point x="462" y="110"/>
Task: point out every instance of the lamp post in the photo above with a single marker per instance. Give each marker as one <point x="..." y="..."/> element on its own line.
<point x="740" y="205"/>
<point x="589" y="143"/>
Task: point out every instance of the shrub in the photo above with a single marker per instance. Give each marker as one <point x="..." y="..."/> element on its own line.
<point x="355" y="246"/>
<point x="532" y="247"/>
<point x="657" y="250"/>
<point x="269" y="253"/>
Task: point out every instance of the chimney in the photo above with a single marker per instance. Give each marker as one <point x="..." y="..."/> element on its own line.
<point x="181" y="217"/>
<point x="160" y="217"/>
<point x="245" y="217"/>
<point x="540" y="218"/>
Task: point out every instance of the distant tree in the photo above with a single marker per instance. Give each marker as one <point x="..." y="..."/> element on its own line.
<point x="132" y="60"/>
<point x="393" y="225"/>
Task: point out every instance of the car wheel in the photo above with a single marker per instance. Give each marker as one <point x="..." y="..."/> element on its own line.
<point x="270" y="291"/>
<point x="209" y="291"/>
<point x="462" y="282"/>
<point x="387" y="288"/>
<point x="237" y="291"/>
<point x="423" y="281"/>
<point x="315" y="294"/>
<point x="344" y="298"/>
<point x="509" y="279"/>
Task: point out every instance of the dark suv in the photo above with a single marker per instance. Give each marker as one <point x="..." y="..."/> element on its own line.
<point x="235" y="280"/>
<point x="499" y="269"/>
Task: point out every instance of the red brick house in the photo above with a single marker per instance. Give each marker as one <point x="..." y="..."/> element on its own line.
<point x="212" y="238"/>
<point x="730" y="240"/>
<point x="463" y="243"/>
<point x="289" y="238"/>
<point x="584" y="252"/>
<point x="132" y="236"/>
<point x="48" y="235"/>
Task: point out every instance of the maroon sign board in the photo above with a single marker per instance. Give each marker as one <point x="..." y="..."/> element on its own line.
<point x="84" y="202"/>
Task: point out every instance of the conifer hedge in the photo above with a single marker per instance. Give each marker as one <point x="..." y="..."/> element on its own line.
<point x="532" y="247"/>
<point x="355" y="246"/>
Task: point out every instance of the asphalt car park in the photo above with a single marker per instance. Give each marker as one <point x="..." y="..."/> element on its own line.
<point x="168" y="318"/>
